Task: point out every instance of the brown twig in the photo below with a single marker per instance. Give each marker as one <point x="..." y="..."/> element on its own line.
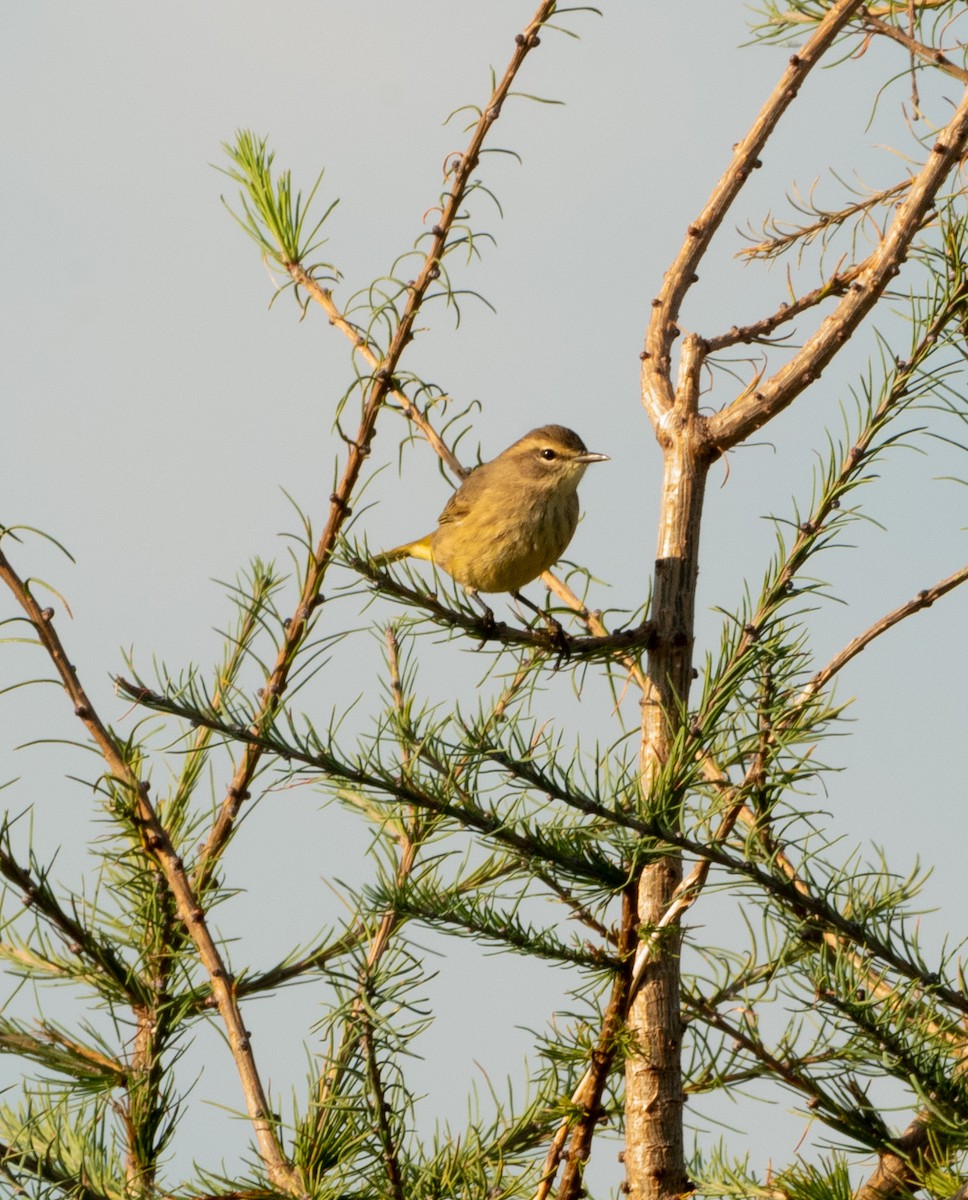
<point x="795" y="17"/>
<point x="751" y="411"/>
<point x="774" y="246"/>
<point x="928" y="54"/>
<point x="324" y="298"/>
<point x="924" y="599"/>
<point x="380" y="387"/>
<point x="587" y="1096"/>
<point x="760" y="331"/>
<point x="29" y="1046"/>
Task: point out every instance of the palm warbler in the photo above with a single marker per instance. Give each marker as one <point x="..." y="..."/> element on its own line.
<point x="511" y="518"/>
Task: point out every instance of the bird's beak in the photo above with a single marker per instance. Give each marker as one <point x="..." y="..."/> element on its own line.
<point x="589" y="457"/>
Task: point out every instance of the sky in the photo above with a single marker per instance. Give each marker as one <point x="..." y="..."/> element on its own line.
<point x="158" y="415"/>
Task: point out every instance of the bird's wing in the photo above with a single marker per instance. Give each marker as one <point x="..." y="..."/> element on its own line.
<point x="466" y="496"/>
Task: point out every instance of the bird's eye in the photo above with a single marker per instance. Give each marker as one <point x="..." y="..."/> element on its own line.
<point x="549" y="455"/>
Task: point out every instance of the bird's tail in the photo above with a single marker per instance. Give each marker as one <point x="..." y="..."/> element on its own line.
<point x="418" y="549"/>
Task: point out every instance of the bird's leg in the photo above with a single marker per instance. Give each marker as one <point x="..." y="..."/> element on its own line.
<point x="490" y="625"/>
<point x="558" y="636"/>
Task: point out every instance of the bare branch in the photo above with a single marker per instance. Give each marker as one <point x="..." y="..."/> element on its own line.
<point x="657" y="395"/>
<point x="924" y="599"/>
<point x="751" y="411"/>
<point x="759" y="331"/>
<point x="929" y="54"/>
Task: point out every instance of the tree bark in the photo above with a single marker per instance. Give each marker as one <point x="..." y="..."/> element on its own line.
<point x="654" y="1155"/>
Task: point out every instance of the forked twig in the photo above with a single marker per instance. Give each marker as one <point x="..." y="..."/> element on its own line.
<point x="657" y="394"/>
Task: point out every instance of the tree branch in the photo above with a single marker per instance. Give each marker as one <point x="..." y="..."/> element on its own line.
<point x="929" y="54"/>
<point x="359" y="448"/>
<point x="760" y="331"/>
<point x="657" y="392"/>
<point x="827" y="221"/>
<point x="587" y="1096"/>
<point x="79" y="940"/>
<point x="593" y="646"/>
<point x="751" y="411"/>
<point x="39" y="1168"/>
<point x="924" y="599"/>
<point x="158" y="846"/>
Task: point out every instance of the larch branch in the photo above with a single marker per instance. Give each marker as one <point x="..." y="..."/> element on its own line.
<point x="924" y="599"/>
<point x="928" y="54"/>
<point x="158" y="846"/>
<point x="657" y="392"/>
<point x="359" y="448"/>
<point x="751" y="411"/>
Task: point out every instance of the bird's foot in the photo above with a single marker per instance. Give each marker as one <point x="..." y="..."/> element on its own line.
<point x="557" y="636"/>
<point x="559" y="639"/>
<point x="488" y="624"/>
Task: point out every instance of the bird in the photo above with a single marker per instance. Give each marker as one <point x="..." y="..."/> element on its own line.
<point x="511" y="519"/>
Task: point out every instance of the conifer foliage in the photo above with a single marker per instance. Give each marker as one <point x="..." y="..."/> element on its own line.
<point x="500" y="818"/>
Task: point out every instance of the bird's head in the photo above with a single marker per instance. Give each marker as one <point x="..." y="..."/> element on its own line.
<point x="551" y="457"/>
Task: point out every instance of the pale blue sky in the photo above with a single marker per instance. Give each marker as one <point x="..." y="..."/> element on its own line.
<point x="154" y="408"/>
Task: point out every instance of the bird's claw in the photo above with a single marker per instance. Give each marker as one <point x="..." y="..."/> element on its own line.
<point x="488" y="627"/>
<point x="559" y="639"/>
